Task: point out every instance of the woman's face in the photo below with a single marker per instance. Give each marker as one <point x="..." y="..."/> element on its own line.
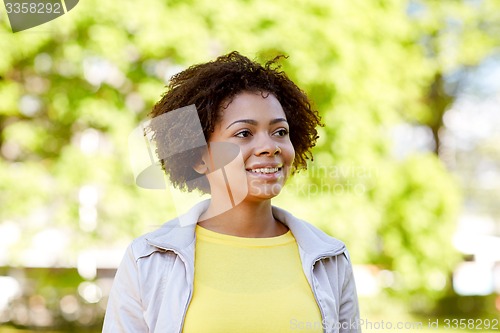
<point x="258" y="126"/>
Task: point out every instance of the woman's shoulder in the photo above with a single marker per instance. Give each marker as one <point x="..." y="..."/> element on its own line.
<point x="171" y="235"/>
<point x="177" y="234"/>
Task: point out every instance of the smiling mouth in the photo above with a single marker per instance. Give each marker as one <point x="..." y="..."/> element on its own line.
<point x="265" y="170"/>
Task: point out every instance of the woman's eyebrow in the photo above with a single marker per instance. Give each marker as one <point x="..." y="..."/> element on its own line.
<point x="253" y="122"/>
<point x="277" y="120"/>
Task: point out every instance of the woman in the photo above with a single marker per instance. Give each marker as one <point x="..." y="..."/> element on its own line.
<point x="247" y="266"/>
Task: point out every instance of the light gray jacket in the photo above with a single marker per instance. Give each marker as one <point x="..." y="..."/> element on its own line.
<point x="154" y="283"/>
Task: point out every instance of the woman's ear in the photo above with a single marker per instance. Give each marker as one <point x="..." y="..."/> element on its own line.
<point x="201" y="167"/>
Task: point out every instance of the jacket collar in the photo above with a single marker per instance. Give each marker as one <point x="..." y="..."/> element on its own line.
<point x="312" y="240"/>
<point x="179" y="233"/>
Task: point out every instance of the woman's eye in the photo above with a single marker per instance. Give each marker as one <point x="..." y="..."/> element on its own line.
<point x="281" y="132"/>
<point x="243" y="134"/>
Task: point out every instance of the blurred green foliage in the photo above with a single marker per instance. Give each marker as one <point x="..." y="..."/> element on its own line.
<point x="94" y="73"/>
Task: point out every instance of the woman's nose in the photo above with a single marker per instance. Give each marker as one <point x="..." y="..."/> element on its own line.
<point x="267" y="146"/>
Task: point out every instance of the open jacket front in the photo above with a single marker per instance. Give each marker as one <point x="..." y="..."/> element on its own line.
<point x="154" y="283"/>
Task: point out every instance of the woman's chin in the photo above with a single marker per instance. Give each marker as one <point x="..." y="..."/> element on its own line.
<point x="264" y="191"/>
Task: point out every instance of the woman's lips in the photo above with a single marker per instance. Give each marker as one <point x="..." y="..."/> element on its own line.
<point x="266" y="173"/>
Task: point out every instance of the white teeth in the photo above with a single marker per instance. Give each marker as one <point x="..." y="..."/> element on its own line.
<point x="265" y="170"/>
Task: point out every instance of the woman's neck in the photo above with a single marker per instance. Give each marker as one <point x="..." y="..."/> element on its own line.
<point x="247" y="219"/>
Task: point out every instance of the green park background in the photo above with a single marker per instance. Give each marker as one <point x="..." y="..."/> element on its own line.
<point x="73" y="89"/>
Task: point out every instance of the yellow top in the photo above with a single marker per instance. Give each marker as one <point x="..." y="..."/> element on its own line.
<point x="244" y="285"/>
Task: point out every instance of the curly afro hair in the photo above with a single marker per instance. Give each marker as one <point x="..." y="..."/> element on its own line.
<point x="208" y="86"/>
